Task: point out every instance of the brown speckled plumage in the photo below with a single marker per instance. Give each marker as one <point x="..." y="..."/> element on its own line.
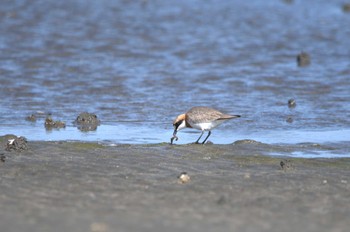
<point x="200" y="114"/>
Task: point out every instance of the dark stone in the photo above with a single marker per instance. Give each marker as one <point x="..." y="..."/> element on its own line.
<point x="50" y="123"/>
<point x="286" y="165"/>
<point x="2" y="158"/>
<point x="222" y="200"/>
<point x="87" y="122"/>
<point x="31" y="118"/>
<point x="303" y="59"/>
<point x="292" y="103"/>
<point x="87" y="118"/>
<point x="346" y="7"/>
<point x="289" y="120"/>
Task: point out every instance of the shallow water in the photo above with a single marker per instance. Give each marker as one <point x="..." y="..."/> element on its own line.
<point x="138" y="64"/>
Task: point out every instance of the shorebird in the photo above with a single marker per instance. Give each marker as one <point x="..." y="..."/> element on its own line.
<point x="200" y="118"/>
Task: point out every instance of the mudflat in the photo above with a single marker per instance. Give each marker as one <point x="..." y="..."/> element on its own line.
<point x="75" y="186"/>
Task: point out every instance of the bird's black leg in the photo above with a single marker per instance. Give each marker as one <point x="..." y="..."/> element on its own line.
<point x="207" y="137"/>
<point x="199" y="138"/>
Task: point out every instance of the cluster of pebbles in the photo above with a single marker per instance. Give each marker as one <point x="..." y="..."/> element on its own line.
<point x="84" y="121"/>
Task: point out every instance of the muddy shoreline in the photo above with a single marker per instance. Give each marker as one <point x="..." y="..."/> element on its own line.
<point x="75" y="186"/>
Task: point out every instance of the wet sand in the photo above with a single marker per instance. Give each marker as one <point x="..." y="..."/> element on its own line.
<point x="74" y="186"/>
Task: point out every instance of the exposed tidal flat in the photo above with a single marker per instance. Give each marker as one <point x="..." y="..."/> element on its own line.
<point x="87" y="186"/>
<point x="133" y="66"/>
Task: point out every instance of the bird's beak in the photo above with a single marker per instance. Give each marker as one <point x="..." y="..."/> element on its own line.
<point x="174" y="135"/>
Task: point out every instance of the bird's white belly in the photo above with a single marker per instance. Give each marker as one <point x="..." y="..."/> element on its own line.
<point x="206" y="126"/>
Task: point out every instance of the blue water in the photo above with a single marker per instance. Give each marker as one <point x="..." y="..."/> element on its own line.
<point x="138" y="64"/>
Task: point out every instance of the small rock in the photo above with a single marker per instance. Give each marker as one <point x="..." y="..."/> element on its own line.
<point x="50" y="123"/>
<point x="324" y="181"/>
<point x="346" y="7"/>
<point x="286" y="165"/>
<point x="289" y="120"/>
<point x="2" y="158"/>
<point x="303" y="59"/>
<point x="31" y="118"/>
<point x="292" y="103"/>
<point x="17" y="144"/>
<point x="98" y="227"/>
<point x="222" y="200"/>
<point x="87" y="121"/>
<point x="247" y="176"/>
<point x="183" y="178"/>
<point x="343" y="181"/>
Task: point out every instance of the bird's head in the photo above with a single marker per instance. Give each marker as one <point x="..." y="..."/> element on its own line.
<point x="179" y="123"/>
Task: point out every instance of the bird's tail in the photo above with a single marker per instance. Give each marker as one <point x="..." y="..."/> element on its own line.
<point x="227" y="116"/>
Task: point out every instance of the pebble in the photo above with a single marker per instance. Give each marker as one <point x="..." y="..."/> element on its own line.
<point x="346" y="7"/>
<point x="289" y="120"/>
<point x="98" y="227"/>
<point x="222" y="200"/>
<point x="31" y="118"/>
<point x="303" y="59"/>
<point x="292" y="103"/>
<point x="183" y="178"/>
<point x="247" y="176"/>
<point x="2" y="158"/>
<point x="286" y="165"/>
